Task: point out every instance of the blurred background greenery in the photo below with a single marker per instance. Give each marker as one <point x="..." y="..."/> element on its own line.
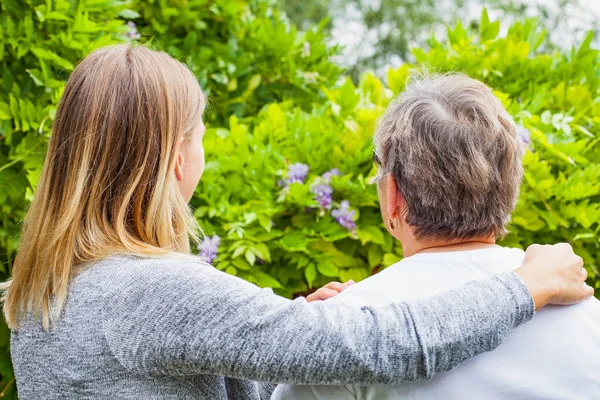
<point x="380" y="33"/>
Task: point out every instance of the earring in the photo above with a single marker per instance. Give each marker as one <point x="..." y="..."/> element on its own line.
<point x="391" y="224"/>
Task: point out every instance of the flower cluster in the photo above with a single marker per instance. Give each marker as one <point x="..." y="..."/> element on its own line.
<point x="329" y="174"/>
<point x="323" y="195"/>
<point x="344" y="216"/>
<point x="323" y="192"/>
<point x="297" y="172"/>
<point x="133" y="33"/>
<point x="209" y="248"/>
<point x="524" y="134"/>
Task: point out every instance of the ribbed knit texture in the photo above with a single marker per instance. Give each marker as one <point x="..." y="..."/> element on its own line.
<point x="139" y="328"/>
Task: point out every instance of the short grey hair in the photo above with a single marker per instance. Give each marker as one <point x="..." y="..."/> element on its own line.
<point x="454" y="153"/>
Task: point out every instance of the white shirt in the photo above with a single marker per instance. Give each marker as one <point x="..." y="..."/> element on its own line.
<point x="556" y="356"/>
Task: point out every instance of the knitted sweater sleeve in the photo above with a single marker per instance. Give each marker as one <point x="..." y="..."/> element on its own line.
<point x="188" y="318"/>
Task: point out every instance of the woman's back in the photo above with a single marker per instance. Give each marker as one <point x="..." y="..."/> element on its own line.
<point x="75" y="360"/>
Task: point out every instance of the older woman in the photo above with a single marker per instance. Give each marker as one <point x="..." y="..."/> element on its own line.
<point x="449" y="176"/>
<point x="107" y="302"/>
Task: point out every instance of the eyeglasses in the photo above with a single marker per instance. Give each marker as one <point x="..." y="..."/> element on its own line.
<point x="376" y="159"/>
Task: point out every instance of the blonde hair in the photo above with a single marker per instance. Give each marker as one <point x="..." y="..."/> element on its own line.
<point x="107" y="184"/>
<point x="455" y="155"/>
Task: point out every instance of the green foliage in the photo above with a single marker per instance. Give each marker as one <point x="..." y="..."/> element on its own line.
<point x="555" y="96"/>
<point x="277" y="100"/>
<point x="301" y="244"/>
<point x="393" y="27"/>
<point x="244" y="54"/>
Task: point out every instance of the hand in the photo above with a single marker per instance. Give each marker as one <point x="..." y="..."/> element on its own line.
<point x="554" y="274"/>
<point x="328" y="291"/>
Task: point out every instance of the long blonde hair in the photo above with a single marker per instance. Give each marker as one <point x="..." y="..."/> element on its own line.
<point x="107" y="184"/>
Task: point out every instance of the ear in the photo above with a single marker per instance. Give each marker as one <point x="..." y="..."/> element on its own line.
<point x="179" y="168"/>
<point x="396" y="201"/>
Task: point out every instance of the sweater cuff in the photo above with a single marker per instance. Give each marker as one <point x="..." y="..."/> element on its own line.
<point x="520" y="296"/>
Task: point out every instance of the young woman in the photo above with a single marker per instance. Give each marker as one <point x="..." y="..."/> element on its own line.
<point x="107" y="302"/>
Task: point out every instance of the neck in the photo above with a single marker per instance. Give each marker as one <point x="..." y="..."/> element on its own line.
<point x="414" y="246"/>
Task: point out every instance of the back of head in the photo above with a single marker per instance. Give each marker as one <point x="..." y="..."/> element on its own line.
<point x="107" y="184"/>
<point x="455" y="155"/>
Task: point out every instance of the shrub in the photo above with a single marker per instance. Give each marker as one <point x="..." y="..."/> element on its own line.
<point x="276" y="234"/>
<point x="244" y="54"/>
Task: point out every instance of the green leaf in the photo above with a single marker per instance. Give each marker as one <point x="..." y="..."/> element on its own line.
<point x="580" y="236"/>
<point x="310" y="273"/>
<point x="355" y="274"/>
<point x="371" y="234"/>
<point x="487" y="30"/>
<point x="295" y="241"/>
<point x="58" y="16"/>
<point x="327" y="268"/>
<point x="251" y="257"/>
<point x="129" y="14"/>
<point x="241" y="263"/>
<point x="231" y="270"/>
<point x="50" y="56"/>
<point x="375" y="256"/>
<point x="264" y="280"/>
<point x="4" y="111"/>
<point x="239" y="250"/>
<point x="390" y="258"/>
<point x="397" y="78"/>
<point x="34" y="74"/>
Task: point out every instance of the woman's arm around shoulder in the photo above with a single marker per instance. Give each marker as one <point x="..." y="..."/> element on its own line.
<point x="179" y="317"/>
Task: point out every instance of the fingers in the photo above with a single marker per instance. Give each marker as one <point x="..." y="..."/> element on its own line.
<point x="336" y="286"/>
<point x="565" y="245"/>
<point x="322" y="294"/>
<point x="328" y="291"/>
<point x="588" y="291"/>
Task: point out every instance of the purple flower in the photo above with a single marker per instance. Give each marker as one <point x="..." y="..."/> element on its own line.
<point x="524" y="134"/>
<point x="344" y="216"/>
<point x="333" y="172"/>
<point x="209" y="248"/>
<point x="323" y="194"/>
<point x="297" y="172"/>
<point x="132" y="34"/>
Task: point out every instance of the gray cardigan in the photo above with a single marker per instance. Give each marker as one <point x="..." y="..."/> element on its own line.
<point x="140" y="328"/>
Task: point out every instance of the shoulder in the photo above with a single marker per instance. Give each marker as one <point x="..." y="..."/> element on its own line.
<point x="120" y="280"/>
<point x="120" y="270"/>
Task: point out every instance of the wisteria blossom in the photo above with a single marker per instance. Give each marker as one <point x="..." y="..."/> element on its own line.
<point x="209" y="248"/>
<point x="524" y="134"/>
<point x="297" y="172"/>
<point x="344" y="216"/>
<point x="333" y="172"/>
<point x="133" y="33"/>
<point x="323" y="195"/>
